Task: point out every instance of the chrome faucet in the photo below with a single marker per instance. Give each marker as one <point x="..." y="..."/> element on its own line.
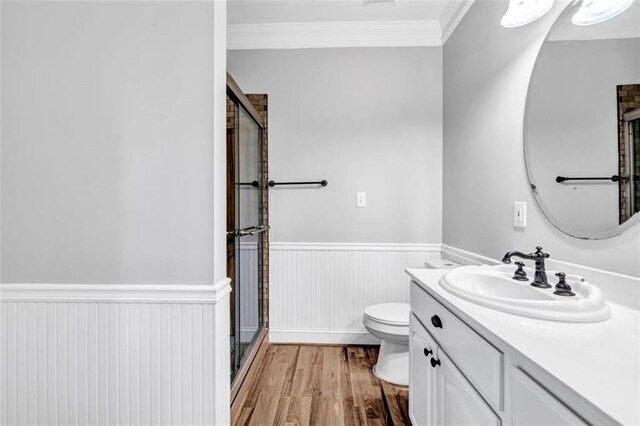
<point x="540" y="276"/>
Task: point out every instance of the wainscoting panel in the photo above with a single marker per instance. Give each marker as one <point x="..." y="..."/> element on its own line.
<point x="318" y="292"/>
<point x="248" y="286"/>
<point x="90" y="362"/>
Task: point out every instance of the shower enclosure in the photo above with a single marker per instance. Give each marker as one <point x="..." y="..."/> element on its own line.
<point x="245" y="224"/>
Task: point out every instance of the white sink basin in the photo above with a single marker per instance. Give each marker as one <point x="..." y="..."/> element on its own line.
<point x="493" y="287"/>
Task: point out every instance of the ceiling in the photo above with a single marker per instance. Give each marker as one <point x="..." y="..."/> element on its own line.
<point x="298" y="24"/>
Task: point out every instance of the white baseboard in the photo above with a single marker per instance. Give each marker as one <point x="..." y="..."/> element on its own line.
<point x="331" y="337"/>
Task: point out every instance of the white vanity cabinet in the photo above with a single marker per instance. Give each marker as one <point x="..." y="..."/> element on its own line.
<point x="457" y="377"/>
<point x="422" y="380"/>
<point x="439" y="393"/>
<point x="531" y="404"/>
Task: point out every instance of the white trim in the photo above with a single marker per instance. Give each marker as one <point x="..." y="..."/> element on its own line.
<point x="452" y="15"/>
<point x="466" y="257"/>
<point x="119" y="293"/>
<point x="333" y="34"/>
<point x="335" y="337"/>
<point x="389" y="247"/>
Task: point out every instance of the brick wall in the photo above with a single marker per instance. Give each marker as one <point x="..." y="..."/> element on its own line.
<point x="260" y="103"/>
<point x="628" y="99"/>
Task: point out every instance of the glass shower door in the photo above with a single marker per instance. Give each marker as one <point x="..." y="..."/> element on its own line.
<point x="247" y="280"/>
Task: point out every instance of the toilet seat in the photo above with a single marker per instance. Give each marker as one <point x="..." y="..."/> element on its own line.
<point x="389" y="313"/>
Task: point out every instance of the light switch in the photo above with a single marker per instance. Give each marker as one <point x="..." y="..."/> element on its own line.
<point x="520" y="214"/>
<point x="361" y="199"/>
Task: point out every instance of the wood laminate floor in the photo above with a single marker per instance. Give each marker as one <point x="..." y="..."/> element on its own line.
<point x="319" y="385"/>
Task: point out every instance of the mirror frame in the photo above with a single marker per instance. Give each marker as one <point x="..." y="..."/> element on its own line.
<point x="546" y="212"/>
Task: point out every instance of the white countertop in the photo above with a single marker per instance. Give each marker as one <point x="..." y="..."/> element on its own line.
<point x="598" y="361"/>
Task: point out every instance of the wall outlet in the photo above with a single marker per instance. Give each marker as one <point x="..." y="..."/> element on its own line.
<point x="361" y="199"/>
<point x="520" y="214"/>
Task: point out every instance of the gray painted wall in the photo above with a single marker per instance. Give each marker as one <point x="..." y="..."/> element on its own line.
<point x="107" y="171"/>
<point x="486" y="74"/>
<point x="365" y="119"/>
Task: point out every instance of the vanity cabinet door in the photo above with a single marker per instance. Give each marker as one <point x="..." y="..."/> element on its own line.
<point x="422" y="380"/>
<point x="458" y="402"/>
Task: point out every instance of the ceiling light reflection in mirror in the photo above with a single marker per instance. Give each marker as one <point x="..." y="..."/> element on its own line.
<point x="591" y="12"/>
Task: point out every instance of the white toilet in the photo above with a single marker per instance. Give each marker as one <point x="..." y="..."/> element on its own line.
<point x="390" y="323"/>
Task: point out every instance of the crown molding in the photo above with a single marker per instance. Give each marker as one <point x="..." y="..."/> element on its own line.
<point x="452" y="16"/>
<point x="333" y="34"/>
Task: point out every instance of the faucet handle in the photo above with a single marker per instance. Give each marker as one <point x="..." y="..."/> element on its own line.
<point x="540" y="253"/>
<point x="520" y="274"/>
<point x="562" y="288"/>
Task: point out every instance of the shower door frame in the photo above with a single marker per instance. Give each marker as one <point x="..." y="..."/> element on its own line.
<point x="261" y="340"/>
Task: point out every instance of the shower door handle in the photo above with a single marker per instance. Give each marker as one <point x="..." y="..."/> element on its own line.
<point x="260" y="228"/>
<point x="251" y="230"/>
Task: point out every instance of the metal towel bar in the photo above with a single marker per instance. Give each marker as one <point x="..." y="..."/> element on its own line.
<point x="322" y="182"/>
<point x="614" y="178"/>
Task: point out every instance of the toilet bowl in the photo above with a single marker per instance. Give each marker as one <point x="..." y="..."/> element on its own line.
<point x="389" y="322"/>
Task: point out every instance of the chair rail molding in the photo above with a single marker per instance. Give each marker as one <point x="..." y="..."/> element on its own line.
<point x="117" y="293"/>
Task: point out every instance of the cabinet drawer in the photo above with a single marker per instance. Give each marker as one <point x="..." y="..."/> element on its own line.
<point x="478" y="360"/>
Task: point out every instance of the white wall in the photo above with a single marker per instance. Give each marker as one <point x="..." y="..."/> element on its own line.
<point x="113" y="150"/>
<point x="486" y="74"/>
<point x="365" y="119"/>
<point x="572" y="128"/>
<point x="107" y="146"/>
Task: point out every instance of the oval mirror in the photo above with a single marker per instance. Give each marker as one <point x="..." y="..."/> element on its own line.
<point x="582" y="125"/>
